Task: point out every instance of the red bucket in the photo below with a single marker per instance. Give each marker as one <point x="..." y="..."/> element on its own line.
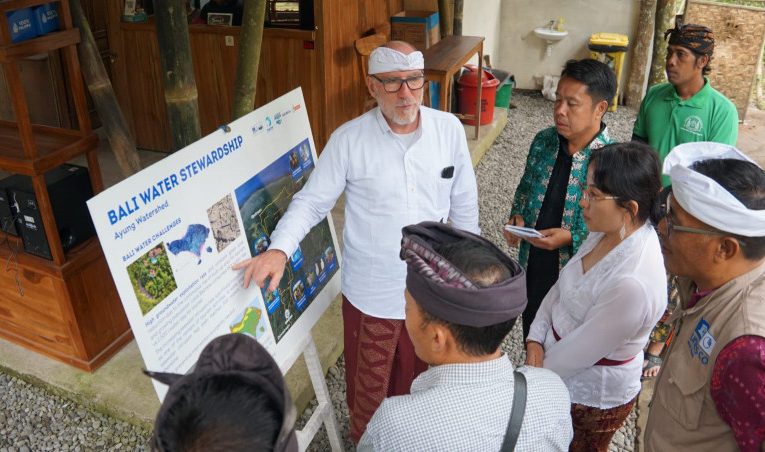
<point x="467" y="90"/>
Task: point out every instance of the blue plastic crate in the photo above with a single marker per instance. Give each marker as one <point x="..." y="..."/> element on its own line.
<point x="46" y="18"/>
<point x="21" y="24"/>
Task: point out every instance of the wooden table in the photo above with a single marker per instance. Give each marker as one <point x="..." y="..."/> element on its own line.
<point x="444" y="59"/>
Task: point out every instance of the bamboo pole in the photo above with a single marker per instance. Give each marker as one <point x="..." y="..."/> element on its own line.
<point x="249" y="58"/>
<point x="458" y="7"/>
<point x="178" y="71"/>
<point x="665" y="19"/>
<point x="640" y="53"/>
<point x="445" y="16"/>
<point x="759" y="98"/>
<point x="100" y="88"/>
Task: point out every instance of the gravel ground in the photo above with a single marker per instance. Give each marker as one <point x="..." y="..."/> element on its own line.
<point x="32" y="419"/>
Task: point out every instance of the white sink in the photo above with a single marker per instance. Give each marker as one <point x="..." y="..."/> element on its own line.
<point x="550" y="35"/>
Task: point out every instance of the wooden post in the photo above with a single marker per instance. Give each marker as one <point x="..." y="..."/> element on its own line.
<point x="178" y="72"/>
<point x="458" y="7"/>
<point x="665" y="19"/>
<point x="445" y="16"/>
<point x="102" y="93"/>
<point x="251" y="37"/>
<point x="640" y="53"/>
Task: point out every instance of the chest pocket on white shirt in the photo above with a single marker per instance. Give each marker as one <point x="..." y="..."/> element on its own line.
<point x="442" y="192"/>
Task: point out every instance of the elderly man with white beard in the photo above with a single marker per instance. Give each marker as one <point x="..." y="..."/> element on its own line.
<point x="398" y="164"/>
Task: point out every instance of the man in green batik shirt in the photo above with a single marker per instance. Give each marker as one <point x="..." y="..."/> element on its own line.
<point x="547" y="198"/>
<point x="687" y="109"/>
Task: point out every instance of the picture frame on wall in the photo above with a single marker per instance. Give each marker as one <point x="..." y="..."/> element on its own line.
<point x="226" y="19"/>
<point x="129" y="7"/>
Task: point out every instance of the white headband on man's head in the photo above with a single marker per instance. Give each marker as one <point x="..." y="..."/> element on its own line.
<point x="703" y="197"/>
<point x="384" y="59"/>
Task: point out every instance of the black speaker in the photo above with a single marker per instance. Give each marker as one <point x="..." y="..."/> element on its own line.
<point x="68" y="188"/>
<point x="7" y="222"/>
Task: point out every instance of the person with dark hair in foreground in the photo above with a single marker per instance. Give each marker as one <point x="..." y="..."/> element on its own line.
<point x="685" y="110"/>
<point x="234" y="400"/>
<point x="547" y="198"/>
<point x="463" y="296"/>
<point x="710" y="394"/>
<point x="593" y="324"/>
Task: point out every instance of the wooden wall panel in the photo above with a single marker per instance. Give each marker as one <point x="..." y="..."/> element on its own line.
<point x="214" y="72"/>
<point x="329" y="73"/>
<point x="344" y="88"/>
<point x="145" y="89"/>
<point x="286" y="64"/>
<point x="339" y="28"/>
<point x="119" y="72"/>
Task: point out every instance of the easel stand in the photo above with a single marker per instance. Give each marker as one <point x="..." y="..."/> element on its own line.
<point x="324" y="413"/>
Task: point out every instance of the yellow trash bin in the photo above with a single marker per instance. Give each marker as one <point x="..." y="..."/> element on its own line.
<point x="610" y="48"/>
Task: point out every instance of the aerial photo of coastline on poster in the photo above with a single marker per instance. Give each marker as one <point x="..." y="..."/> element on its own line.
<point x="152" y="278"/>
<point x="224" y="222"/>
<point x="262" y="201"/>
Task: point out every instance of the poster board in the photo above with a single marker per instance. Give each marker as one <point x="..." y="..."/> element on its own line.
<point x="171" y="233"/>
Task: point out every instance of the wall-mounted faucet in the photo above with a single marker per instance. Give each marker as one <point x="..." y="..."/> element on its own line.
<point x="551" y="24"/>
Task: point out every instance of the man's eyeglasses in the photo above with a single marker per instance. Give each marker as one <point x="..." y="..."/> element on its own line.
<point x="393" y="85"/>
<point x="667" y="217"/>
<point x="589" y="196"/>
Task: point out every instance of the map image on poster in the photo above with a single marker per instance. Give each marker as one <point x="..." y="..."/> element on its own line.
<point x="262" y="201"/>
<point x="193" y="241"/>
<point x="252" y="321"/>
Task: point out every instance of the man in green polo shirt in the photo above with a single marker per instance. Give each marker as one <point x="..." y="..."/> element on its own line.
<point x="687" y="108"/>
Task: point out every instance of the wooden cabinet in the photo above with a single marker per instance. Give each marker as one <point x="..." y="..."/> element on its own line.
<point x="66" y="308"/>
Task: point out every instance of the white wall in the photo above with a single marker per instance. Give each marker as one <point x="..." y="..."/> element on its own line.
<point x="483" y="18"/>
<point x="523" y="53"/>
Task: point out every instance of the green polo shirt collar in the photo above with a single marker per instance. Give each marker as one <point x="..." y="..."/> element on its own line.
<point x="698" y="100"/>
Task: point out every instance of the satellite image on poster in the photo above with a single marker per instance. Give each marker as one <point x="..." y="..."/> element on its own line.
<point x="262" y="201"/>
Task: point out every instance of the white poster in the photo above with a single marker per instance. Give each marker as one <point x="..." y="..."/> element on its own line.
<point x="171" y="233"/>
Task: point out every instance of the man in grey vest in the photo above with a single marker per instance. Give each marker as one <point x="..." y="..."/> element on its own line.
<point x="710" y="393"/>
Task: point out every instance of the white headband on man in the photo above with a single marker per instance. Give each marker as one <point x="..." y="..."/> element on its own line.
<point x="383" y="59"/>
<point x="704" y="198"/>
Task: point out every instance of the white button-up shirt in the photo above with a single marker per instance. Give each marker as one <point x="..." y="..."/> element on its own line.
<point x="387" y="186"/>
<point x="607" y="312"/>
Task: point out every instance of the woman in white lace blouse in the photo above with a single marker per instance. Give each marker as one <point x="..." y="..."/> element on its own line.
<point x="593" y="324"/>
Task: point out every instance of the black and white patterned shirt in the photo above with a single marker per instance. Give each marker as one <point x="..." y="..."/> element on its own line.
<point x="466" y="407"/>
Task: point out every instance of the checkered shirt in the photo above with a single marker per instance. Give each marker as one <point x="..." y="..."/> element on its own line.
<point x="466" y="407"/>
